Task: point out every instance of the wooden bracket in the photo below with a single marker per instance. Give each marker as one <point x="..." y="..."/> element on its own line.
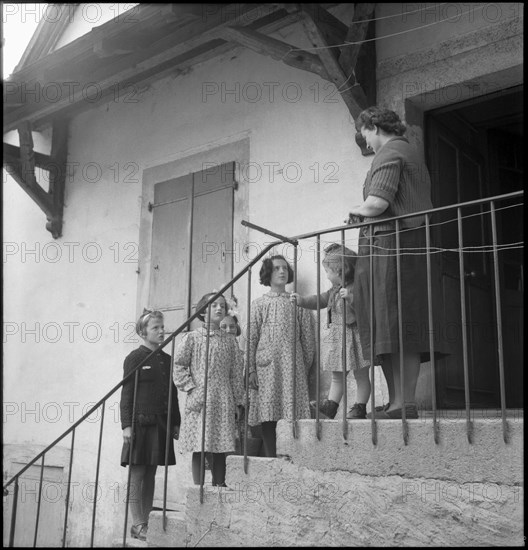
<point x="274" y="48"/>
<point x="350" y="92"/>
<point x="20" y="163"/>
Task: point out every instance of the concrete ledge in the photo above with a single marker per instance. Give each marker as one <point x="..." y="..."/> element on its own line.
<point x="487" y="460"/>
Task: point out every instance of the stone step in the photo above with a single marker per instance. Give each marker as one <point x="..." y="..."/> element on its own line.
<point x="175" y="533"/>
<point x="280" y="503"/>
<point x="129" y="543"/>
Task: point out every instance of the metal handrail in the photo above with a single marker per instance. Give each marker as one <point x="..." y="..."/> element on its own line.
<point x="247" y="269"/>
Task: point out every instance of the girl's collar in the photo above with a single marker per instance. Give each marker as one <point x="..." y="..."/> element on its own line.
<point x="274" y="294"/>
<point x="146" y="348"/>
<point x="212" y="332"/>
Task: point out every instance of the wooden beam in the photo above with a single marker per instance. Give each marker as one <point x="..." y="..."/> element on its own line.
<point x="357" y="32"/>
<point x="169" y="55"/>
<point x="276" y="49"/>
<point x="352" y="95"/>
<point x="59" y="155"/>
<point x="164" y="56"/>
<point x="27" y="155"/>
<point x="333" y="30"/>
<point x="16" y="169"/>
<point x="41" y="160"/>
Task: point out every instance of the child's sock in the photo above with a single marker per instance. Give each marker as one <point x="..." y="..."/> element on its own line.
<point x="336" y="387"/>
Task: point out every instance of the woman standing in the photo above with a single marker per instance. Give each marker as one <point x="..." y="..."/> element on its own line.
<point x="398" y="183"/>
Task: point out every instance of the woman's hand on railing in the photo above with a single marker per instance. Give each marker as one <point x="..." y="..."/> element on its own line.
<point x="294" y="297"/>
<point x="253" y="381"/>
<point x="127" y="434"/>
<point x="352" y="218"/>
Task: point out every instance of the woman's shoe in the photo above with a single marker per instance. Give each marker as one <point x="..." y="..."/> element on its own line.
<point x="411" y="412"/>
<point x="358" y="411"/>
<point x="139" y="531"/>
<point x="383" y="407"/>
<point x="327" y="407"/>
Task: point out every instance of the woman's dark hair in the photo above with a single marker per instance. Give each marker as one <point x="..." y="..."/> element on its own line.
<point x="267" y="269"/>
<point x="201" y="305"/>
<point x="386" y="120"/>
<point x="333" y="254"/>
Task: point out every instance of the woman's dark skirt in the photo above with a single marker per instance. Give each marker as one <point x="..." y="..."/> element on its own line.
<point x="414" y="303"/>
<point x="149" y="443"/>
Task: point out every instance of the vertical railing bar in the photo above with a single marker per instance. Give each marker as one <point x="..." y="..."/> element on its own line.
<point x="294" y="349"/>
<point x="405" y="429"/>
<point x="97" y="468"/>
<point x="248" y="348"/>
<point x="464" y="323"/>
<point x="190" y="256"/>
<point x="343" y="343"/>
<point x="498" y="309"/>
<point x="318" y="340"/>
<point x="68" y="491"/>
<point x="132" y="434"/>
<point x="431" y="326"/>
<point x="13" y="515"/>
<point x="373" y="426"/>
<point x="204" y="409"/>
<point x="168" y="437"/>
<point x="39" y="502"/>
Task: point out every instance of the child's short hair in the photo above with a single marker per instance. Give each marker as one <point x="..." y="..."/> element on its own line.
<point x="146" y="316"/>
<point x="201" y="305"/>
<point x="267" y="269"/>
<point x="333" y="258"/>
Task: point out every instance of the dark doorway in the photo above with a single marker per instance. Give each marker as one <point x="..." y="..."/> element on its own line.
<point x="474" y="150"/>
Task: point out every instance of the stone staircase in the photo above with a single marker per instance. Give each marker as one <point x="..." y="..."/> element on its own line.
<point x="334" y="491"/>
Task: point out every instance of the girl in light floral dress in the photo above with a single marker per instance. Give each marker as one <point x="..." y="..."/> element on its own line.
<point x="225" y="390"/>
<point x="271" y="371"/>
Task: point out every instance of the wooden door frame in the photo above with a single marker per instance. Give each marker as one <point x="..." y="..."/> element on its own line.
<point x="418" y="107"/>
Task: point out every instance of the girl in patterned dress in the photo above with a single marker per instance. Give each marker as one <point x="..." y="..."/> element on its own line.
<point x="225" y="390"/>
<point x="332" y="299"/>
<point x="271" y="367"/>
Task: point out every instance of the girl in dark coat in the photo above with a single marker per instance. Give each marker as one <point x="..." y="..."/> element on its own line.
<point x="147" y="431"/>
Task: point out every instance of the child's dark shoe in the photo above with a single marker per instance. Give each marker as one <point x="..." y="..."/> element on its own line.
<point x="358" y="411"/>
<point x="139" y="531"/>
<point x="327" y="407"/>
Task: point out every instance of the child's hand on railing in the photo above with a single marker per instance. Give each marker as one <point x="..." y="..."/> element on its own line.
<point x="344" y="293"/>
<point x="253" y="381"/>
<point x="294" y="297"/>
